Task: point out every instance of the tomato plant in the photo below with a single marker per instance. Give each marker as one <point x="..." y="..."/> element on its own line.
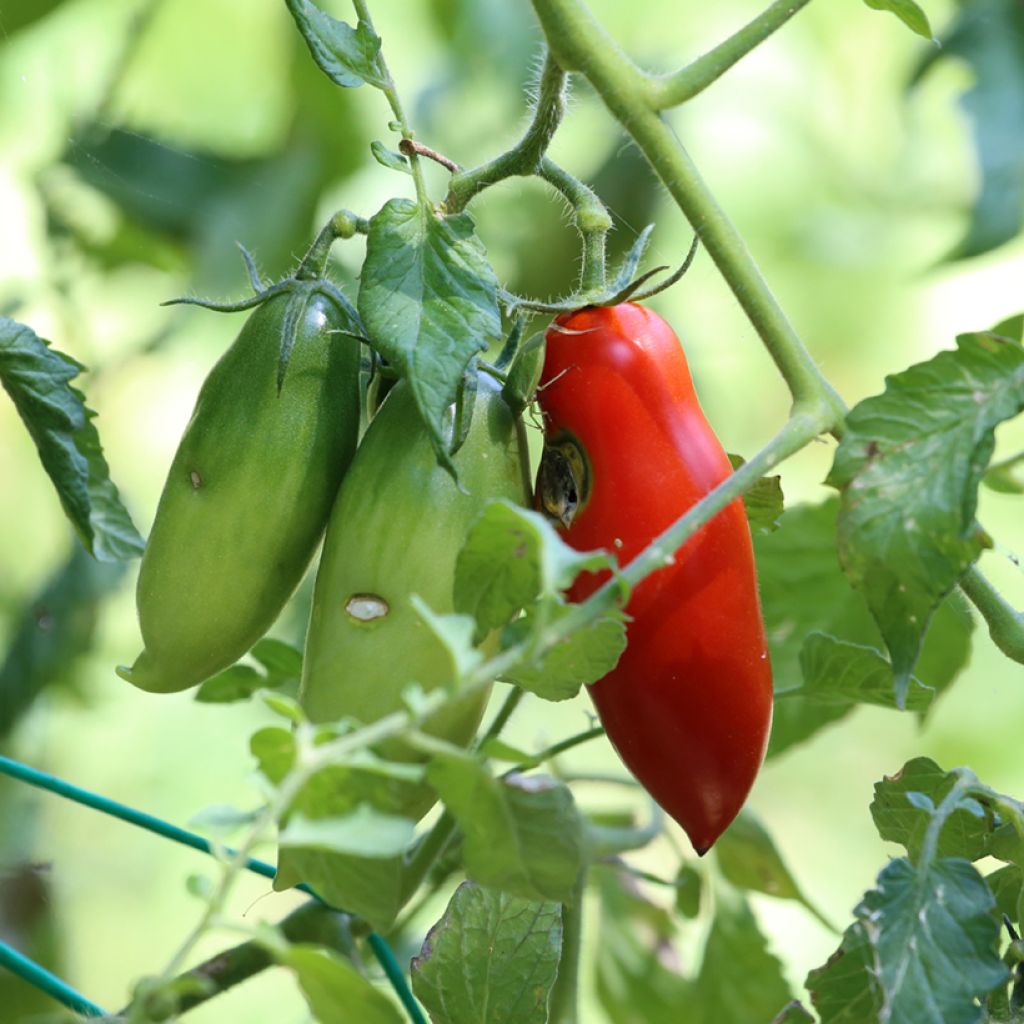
<point x="447" y="830"/>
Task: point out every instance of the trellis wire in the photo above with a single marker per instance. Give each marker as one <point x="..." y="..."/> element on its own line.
<point x="36" y="975"/>
<point x="39" y="977"/>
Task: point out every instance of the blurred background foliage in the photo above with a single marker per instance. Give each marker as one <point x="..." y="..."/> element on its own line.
<point x="878" y="180"/>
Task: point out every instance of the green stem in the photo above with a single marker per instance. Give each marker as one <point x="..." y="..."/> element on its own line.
<point x="525" y="157"/>
<point x="686" y="83"/>
<point x="560" y="748"/>
<point x="1005" y="623"/>
<point x="391" y="92"/>
<point x="564" y="1006"/>
<point x="579" y="43"/>
<point x="342" y="225"/>
<point x="505" y="712"/>
<point x="930" y="843"/>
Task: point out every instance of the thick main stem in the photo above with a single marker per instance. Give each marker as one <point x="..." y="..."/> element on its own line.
<point x="579" y="43"/>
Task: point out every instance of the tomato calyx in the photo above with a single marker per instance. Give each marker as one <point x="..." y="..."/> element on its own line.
<point x="563" y="480"/>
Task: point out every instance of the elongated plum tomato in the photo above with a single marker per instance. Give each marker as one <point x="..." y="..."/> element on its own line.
<point x="249" y="492"/>
<point x="628" y="451"/>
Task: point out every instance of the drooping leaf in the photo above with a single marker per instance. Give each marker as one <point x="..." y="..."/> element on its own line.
<point x="348" y="56"/>
<point x="840" y="673"/>
<point x="989" y="36"/>
<point x="521" y="834"/>
<point x="38" y="379"/>
<point x="908" y="12"/>
<point x="55" y="629"/>
<point x="740" y="980"/>
<point x="492" y="957"/>
<point x="908" y="471"/>
<point x="334" y="989"/>
<point x="805" y="592"/>
<point x="428" y="299"/>
<point x="749" y="859"/>
<point x="363" y="832"/>
<point x="389" y="158"/>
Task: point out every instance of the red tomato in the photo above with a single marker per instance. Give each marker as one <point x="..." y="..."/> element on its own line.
<point x="627" y="452"/>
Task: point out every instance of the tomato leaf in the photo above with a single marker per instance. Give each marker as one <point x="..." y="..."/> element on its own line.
<point x="348" y="56"/>
<point x="895" y="960"/>
<point x="749" y="859"/>
<point x="239" y="682"/>
<point x="740" y="980"/>
<point x="805" y="593"/>
<point x="428" y="299"/>
<point x="38" y="379"/>
<point x="364" y="832"/>
<point x="334" y="989"/>
<point x="763" y="502"/>
<point x="988" y="35"/>
<point x="491" y="957"/>
<point x="908" y="12"/>
<point x="522" y="835"/>
<point x="584" y="657"/>
<point x="389" y="158"/>
<point x="908" y="471"/>
<point x="905" y="804"/>
<point x="54" y="630"/>
<point x="511" y="557"/>
<point x="456" y="634"/>
<point x="841" y="673"/>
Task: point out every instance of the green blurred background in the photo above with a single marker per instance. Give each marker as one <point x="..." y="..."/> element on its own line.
<point x="140" y="141"/>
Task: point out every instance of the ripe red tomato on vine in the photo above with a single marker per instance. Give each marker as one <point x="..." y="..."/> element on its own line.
<point x="627" y="452"/>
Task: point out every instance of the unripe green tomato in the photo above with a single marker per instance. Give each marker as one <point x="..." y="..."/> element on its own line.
<point x="249" y="491"/>
<point x="396" y="530"/>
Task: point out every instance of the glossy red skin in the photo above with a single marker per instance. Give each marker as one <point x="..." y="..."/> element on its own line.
<point x="688" y="707"/>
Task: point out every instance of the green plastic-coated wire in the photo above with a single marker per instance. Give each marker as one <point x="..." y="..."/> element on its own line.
<point x="28" y="970"/>
<point x="43" y="780"/>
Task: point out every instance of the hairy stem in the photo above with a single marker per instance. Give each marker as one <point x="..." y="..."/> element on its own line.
<point x="671" y="90"/>
<point x="391" y="92"/>
<point x="579" y="43"/>
<point x="525" y="157"/>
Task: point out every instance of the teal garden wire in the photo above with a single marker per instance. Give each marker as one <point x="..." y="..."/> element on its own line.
<point x="42" y="979"/>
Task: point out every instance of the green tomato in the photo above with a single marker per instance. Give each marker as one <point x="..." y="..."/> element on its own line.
<point x="396" y="530"/>
<point x="249" y="491"/>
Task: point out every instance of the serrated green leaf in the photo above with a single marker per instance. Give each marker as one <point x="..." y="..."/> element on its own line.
<point x="922" y="924"/>
<point x="804" y="591"/>
<point x="740" y="980"/>
<point x="364" y="832"/>
<point x="521" y="834"/>
<point x="389" y="158"/>
<point x="845" y="990"/>
<point x="348" y="56"/>
<point x="634" y="981"/>
<point x="38" y="380"/>
<point x="908" y="12"/>
<point x="492" y="957"/>
<point x="838" y="672"/>
<point x="334" y="989"/>
<point x="512" y="556"/>
<point x="988" y="35"/>
<point x="748" y="858"/>
<point x="53" y="630"/>
<point x="902" y="816"/>
<point x="908" y="470"/>
<point x="1007" y="886"/>
<point x="584" y="657"/>
<point x="428" y="299"/>
<point x="764" y="502"/>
